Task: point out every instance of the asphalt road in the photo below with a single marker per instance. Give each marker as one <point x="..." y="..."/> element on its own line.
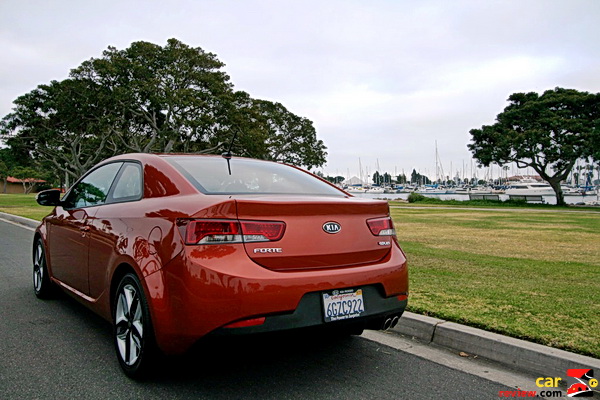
<point x="57" y="349"/>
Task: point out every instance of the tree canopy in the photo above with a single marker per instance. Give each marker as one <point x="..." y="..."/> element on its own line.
<point x="547" y="132"/>
<point x="149" y="98"/>
<point x="419" y="179"/>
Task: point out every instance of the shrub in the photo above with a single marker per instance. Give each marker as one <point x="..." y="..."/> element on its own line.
<point x="415" y="197"/>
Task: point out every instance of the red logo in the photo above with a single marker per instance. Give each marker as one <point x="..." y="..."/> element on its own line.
<point x="580" y="385"/>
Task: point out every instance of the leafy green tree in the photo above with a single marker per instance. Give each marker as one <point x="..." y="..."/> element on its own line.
<point x="334" y="179"/>
<point x="381" y="179"/>
<point x="377" y="179"/>
<point x="3" y="175"/>
<point x="289" y="138"/>
<point x="419" y="179"/>
<point x="547" y="132"/>
<point x="28" y="177"/>
<point x="171" y="98"/>
<point x="149" y="98"/>
<point x="60" y="124"/>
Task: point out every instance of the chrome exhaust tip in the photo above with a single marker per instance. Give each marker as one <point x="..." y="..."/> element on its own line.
<point x="387" y="324"/>
<point x="394" y="321"/>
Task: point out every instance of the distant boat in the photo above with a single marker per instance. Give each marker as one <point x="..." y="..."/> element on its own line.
<point x="481" y="190"/>
<point x="375" y="189"/>
<point x="572" y="191"/>
<point x="530" y="189"/>
<point x="431" y="189"/>
<point x="579" y="191"/>
<point x="355" y="189"/>
<point x="405" y="189"/>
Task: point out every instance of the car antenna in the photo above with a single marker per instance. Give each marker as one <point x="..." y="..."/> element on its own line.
<point x="228" y="154"/>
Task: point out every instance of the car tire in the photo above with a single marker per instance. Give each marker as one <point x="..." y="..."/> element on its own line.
<point x="132" y="328"/>
<point x="42" y="285"/>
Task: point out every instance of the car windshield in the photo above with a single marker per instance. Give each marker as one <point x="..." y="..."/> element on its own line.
<point x="210" y="175"/>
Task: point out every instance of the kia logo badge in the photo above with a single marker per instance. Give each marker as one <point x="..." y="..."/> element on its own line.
<point x="332" y="227"/>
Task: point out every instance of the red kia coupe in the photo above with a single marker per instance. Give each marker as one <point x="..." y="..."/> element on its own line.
<point x="171" y="248"/>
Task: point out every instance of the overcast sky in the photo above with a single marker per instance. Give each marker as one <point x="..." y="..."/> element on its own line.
<point x="382" y="80"/>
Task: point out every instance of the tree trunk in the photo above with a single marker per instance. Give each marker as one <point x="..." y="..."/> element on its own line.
<point x="560" y="198"/>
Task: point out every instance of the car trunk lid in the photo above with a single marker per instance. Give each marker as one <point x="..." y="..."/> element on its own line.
<point x="320" y="232"/>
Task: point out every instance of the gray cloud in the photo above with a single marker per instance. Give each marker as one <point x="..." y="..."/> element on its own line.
<point x="382" y="80"/>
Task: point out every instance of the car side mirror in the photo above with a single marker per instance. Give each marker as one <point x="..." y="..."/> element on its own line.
<point x="50" y="197"/>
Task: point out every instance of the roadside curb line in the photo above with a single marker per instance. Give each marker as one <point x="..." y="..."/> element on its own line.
<point x="30" y="223"/>
<point x="517" y="354"/>
<point x="514" y="353"/>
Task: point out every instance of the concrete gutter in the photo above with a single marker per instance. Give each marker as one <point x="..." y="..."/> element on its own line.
<point x="514" y="353"/>
<point x="30" y="223"/>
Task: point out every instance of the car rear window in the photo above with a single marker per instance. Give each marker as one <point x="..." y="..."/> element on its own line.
<point x="211" y="175"/>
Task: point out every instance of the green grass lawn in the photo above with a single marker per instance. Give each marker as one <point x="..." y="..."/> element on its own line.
<point x="23" y="205"/>
<point x="531" y="275"/>
<point x="528" y="273"/>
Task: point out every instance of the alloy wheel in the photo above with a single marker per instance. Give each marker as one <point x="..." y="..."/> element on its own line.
<point x="38" y="267"/>
<point x="129" y="324"/>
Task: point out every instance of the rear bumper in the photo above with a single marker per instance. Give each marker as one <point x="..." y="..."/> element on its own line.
<point x="309" y="313"/>
<point x="208" y="287"/>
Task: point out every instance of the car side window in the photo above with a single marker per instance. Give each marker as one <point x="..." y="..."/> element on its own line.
<point x="92" y="189"/>
<point x="128" y="186"/>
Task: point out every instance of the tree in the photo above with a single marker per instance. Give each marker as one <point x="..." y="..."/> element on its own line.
<point x="149" y="98"/>
<point x="289" y="138"/>
<point x="377" y="178"/>
<point x="171" y="98"/>
<point x="386" y="177"/>
<point x="62" y="124"/>
<point x="380" y="179"/>
<point x="547" y="132"/>
<point x="28" y="177"/>
<point x="419" y="179"/>
<point x="3" y="175"/>
<point x="401" y="178"/>
<point x="334" y="179"/>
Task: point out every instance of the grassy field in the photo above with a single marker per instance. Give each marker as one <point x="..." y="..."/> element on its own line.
<point x="23" y="205"/>
<point x="530" y="273"/>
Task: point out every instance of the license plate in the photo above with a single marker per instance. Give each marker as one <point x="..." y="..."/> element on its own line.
<point x="343" y="304"/>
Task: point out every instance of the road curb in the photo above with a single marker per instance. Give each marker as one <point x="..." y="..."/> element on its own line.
<point x="30" y="223"/>
<point x="517" y="354"/>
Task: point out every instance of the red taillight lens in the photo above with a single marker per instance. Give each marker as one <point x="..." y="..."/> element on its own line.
<point x="212" y="231"/>
<point x="381" y="226"/>
<point x="219" y="231"/>
<point x="262" y="231"/>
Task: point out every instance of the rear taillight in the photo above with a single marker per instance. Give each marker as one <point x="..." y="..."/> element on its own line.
<point x="212" y="231"/>
<point x="381" y="226"/>
<point x="262" y="231"/>
<point x="219" y="231"/>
